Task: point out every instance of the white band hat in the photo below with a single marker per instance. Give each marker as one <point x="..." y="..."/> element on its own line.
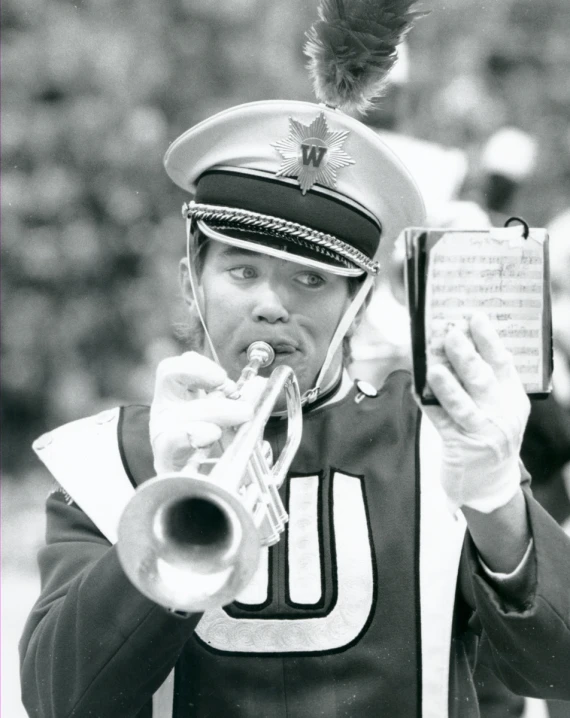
<point x="308" y="176"/>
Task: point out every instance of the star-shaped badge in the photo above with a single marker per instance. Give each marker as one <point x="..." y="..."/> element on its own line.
<point x="313" y="153"/>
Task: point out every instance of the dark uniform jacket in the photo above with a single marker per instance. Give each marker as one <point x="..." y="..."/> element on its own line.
<point x="373" y="603"/>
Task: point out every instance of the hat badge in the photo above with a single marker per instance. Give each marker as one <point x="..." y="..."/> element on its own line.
<point x="313" y="153"/>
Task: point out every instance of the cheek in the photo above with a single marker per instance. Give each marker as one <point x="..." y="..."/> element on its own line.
<point x="220" y="306"/>
<point x="326" y="314"/>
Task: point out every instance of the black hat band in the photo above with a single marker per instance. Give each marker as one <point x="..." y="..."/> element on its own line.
<point x="319" y="209"/>
<point x="226" y="218"/>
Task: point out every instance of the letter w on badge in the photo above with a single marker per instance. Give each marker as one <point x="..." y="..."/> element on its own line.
<point x="313" y="154"/>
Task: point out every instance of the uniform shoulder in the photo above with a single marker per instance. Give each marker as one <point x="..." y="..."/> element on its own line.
<point x="122" y="431"/>
<point x="134" y="418"/>
<point x="78" y="430"/>
<point x="86" y="459"/>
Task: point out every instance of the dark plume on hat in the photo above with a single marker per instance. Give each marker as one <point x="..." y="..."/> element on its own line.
<point x="353" y="47"/>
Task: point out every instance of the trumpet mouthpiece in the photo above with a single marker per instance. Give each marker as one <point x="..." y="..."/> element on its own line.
<point x="261" y="353"/>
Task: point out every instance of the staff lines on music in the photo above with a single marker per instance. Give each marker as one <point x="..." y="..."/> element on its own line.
<point x="506" y="272"/>
<point x="475" y="303"/>
<point x="525" y="258"/>
<point x="501" y="288"/>
<point x="505" y="282"/>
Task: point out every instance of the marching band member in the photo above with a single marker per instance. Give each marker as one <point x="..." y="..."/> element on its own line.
<point x="413" y="548"/>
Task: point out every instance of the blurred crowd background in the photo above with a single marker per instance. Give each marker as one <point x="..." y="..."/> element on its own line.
<point x="93" y="91"/>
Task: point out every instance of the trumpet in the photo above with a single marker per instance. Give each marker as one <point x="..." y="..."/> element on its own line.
<point x="191" y="540"/>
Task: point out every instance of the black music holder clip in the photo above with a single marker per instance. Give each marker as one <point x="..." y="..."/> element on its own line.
<point x="524" y="223"/>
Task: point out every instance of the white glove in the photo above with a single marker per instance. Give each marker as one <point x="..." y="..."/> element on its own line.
<point x="481" y="419"/>
<point x="191" y="408"/>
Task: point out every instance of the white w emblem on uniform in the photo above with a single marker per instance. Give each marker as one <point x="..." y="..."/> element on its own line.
<point x="355" y="586"/>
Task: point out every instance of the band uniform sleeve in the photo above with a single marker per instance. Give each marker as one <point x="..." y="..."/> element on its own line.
<point x="524" y="625"/>
<point x="93" y="644"/>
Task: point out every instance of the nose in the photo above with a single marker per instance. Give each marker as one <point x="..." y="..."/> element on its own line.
<point x="269" y="305"/>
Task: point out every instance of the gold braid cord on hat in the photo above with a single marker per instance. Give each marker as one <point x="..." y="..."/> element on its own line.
<point x="326" y="244"/>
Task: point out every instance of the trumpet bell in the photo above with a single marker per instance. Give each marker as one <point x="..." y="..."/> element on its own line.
<point x="197" y="550"/>
<point x="190" y="540"/>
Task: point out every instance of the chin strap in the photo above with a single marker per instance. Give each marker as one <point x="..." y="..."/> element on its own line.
<point x="342" y="328"/>
<point x="194" y="285"/>
<point x="340" y="332"/>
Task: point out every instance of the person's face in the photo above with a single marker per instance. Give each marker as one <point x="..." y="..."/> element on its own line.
<point x="249" y="296"/>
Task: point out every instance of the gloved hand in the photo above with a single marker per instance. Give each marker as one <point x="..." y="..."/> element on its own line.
<point x="190" y="408"/>
<point x="481" y="419"/>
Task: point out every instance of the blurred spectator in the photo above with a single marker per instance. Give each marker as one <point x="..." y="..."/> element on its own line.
<point x="508" y="158"/>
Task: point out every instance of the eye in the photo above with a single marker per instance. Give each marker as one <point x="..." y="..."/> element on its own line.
<point x="310" y="279"/>
<point x="243" y="272"/>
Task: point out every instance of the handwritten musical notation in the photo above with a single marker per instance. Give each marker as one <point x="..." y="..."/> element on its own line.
<point x="478" y="303"/>
<point x="470" y="271"/>
<point x="526" y="257"/>
<point x="507" y="270"/>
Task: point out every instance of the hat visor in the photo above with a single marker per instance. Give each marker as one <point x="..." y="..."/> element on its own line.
<point x="286" y="248"/>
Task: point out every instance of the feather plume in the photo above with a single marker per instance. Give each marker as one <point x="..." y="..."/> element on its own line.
<point x="353" y="47"/>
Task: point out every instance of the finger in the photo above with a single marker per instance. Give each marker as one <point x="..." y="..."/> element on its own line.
<point x="437" y="415"/>
<point x="218" y="410"/>
<point x="453" y="398"/>
<point x="473" y="372"/>
<point x="252" y="390"/>
<point x="221" y="411"/>
<point x="184" y="375"/>
<point x="490" y="345"/>
<point x="171" y="449"/>
<point x="203" y="433"/>
<point x="174" y="444"/>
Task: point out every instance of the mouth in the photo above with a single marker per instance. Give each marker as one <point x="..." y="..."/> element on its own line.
<point x="282" y="348"/>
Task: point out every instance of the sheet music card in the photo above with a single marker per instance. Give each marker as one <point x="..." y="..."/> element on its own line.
<point x="452" y="273"/>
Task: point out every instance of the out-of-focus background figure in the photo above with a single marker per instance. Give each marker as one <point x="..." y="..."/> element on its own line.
<point x="92" y="94"/>
<point x="508" y="160"/>
<point x="559" y="230"/>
